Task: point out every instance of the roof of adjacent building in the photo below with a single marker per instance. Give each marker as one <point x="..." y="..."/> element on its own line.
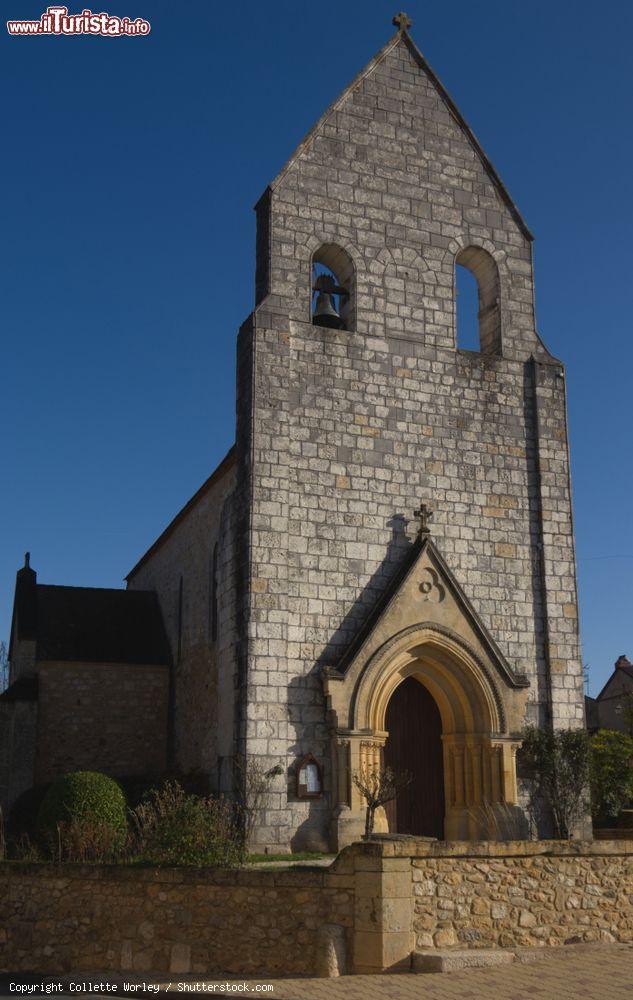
<point x="89" y="624"/>
<point x="622" y="666"/>
<point x="94" y="625"/>
<point x="591" y="712"/>
<point x="225" y="465"/>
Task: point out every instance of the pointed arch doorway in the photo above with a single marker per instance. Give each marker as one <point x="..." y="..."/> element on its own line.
<point x="414" y="744"/>
<point x="478" y="751"/>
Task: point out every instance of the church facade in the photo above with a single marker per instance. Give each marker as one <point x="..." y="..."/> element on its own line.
<point x="382" y="569"/>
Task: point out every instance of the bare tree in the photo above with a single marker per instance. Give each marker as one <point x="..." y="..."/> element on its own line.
<point x="378" y="786"/>
<point x="252" y="783"/>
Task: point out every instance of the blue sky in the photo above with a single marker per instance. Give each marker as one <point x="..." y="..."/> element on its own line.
<point x="130" y="169"/>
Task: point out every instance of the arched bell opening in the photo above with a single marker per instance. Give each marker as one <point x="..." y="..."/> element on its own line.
<point x="332" y="288"/>
<point x="478" y="305"/>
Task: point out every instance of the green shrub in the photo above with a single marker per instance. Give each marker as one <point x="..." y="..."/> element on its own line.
<point x="556" y="762"/>
<point x="611" y="774"/>
<point x="173" y="828"/>
<point x="83" y="817"/>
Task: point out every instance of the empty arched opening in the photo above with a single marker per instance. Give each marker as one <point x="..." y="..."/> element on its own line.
<point x="478" y="313"/>
<point x="467" y="309"/>
<point x="332" y="288"/>
<point x="414" y="745"/>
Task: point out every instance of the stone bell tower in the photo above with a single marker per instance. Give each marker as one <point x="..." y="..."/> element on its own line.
<point x="355" y="406"/>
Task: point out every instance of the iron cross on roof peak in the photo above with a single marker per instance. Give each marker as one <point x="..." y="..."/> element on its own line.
<point x="402" y="21"/>
<point x="425" y="514"/>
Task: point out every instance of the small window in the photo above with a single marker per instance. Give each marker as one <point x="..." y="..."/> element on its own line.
<point x="477" y="311"/>
<point x="332" y="288"/>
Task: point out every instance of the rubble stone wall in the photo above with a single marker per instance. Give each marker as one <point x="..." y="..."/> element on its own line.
<point x="377" y="902"/>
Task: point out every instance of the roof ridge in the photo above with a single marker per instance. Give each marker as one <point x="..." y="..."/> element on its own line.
<point x="219" y="471"/>
<point x="616" y="671"/>
<point x="331" y="108"/>
<point x="101" y="590"/>
<point x="461" y="121"/>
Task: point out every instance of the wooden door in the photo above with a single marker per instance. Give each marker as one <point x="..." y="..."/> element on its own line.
<point x="414" y="744"/>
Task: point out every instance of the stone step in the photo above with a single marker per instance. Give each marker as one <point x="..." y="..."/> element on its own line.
<point x="456" y="959"/>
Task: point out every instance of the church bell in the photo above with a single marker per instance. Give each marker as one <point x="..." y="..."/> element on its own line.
<point x="325" y="312"/>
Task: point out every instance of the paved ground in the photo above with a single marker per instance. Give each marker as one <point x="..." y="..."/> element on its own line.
<point x="601" y="973"/>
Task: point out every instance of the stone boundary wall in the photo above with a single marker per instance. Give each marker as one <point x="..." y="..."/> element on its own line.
<point x="531" y="899"/>
<point x="366" y="913"/>
<point x="80" y="918"/>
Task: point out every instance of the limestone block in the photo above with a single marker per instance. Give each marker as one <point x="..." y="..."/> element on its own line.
<point x="126" y="956"/>
<point x="331" y="956"/>
<point x="180" y="959"/>
<point x="455" y="960"/>
<point x="444" y="937"/>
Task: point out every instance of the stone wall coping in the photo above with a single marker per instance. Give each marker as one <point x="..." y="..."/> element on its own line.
<point x="358" y="856"/>
<point x="411" y="848"/>
<point x="294" y="877"/>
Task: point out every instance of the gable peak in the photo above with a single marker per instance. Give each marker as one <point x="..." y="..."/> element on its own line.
<point x="424" y="589"/>
<point x="403" y="38"/>
<point x="402" y="21"/>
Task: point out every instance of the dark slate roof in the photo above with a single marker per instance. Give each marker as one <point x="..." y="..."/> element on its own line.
<point x="627" y="670"/>
<point x="622" y="666"/>
<point x="24" y="689"/>
<point x="100" y="626"/>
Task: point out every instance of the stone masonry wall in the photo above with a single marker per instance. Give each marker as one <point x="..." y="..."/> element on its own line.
<point x="102" y="717"/>
<point x="203" y="666"/>
<point x="80" y="918"/>
<point x="522" y="901"/>
<point x="349" y="430"/>
<point x="18" y="735"/>
<point x="381" y="900"/>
